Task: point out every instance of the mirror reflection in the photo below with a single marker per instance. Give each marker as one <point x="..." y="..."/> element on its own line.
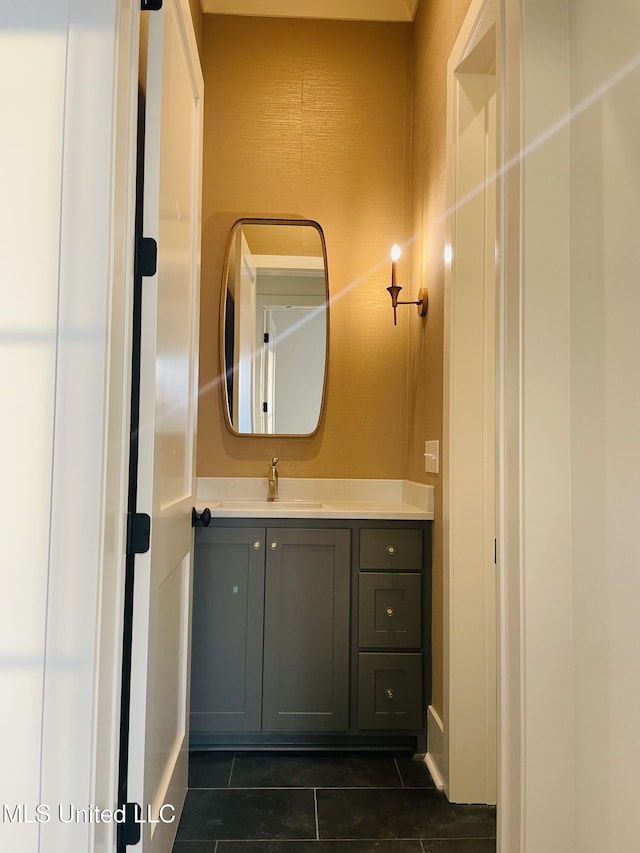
<point x="274" y="327"/>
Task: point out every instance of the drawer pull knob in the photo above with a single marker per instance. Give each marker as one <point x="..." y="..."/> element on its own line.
<point x="389" y="611"/>
<point x="257" y="545"/>
<point x="391" y="550"/>
<point x="273" y="546"/>
<point x="389" y="693"/>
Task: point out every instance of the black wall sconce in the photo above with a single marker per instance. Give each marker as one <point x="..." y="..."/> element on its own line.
<point x="423" y="297"/>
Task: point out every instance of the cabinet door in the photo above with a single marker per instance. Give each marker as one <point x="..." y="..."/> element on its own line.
<point x="228" y="603"/>
<point x="306" y="630"/>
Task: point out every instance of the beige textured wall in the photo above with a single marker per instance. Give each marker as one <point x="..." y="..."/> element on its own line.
<point x="315" y="119"/>
<point x="311" y="118"/>
<point x="434" y="32"/>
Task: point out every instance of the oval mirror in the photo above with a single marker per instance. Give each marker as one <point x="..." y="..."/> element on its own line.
<point x="274" y="331"/>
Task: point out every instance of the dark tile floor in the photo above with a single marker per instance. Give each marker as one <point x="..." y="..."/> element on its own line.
<point x="324" y="803"/>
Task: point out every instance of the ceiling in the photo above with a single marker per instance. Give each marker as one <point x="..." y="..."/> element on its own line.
<point x="345" y="10"/>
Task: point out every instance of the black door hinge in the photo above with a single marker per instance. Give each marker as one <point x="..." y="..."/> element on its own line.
<point x="146" y="258"/>
<point x="151" y="5"/>
<point x="266" y="337"/>
<point x="138" y="532"/>
<point x="129" y="829"/>
<point x="495" y="552"/>
<point x="265" y="408"/>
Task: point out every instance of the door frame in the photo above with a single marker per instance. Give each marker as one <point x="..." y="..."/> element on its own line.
<point x="536" y="603"/>
<point x="106" y="724"/>
<point x="75" y="64"/>
<point x="101" y="646"/>
<point x="467" y="761"/>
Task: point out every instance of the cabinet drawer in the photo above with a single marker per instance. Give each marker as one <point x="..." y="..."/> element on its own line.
<point x="389" y="610"/>
<point x="388" y="549"/>
<point x="390" y="691"/>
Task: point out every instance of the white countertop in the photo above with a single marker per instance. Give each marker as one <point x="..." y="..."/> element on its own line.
<point x="239" y="497"/>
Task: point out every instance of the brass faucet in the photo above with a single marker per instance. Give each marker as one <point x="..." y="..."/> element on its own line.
<point x="272" y="480"/>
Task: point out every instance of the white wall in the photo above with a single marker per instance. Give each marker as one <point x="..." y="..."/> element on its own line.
<point x="32" y="68"/>
<point x="546" y="422"/>
<point x="63" y="301"/>
<point x="605" y="383"/>
<point x="573" y="199"/>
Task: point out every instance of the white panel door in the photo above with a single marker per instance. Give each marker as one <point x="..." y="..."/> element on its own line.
<point x="158" y="743"/>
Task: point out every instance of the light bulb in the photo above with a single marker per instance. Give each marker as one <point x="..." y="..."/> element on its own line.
<point x="395" y="252"/>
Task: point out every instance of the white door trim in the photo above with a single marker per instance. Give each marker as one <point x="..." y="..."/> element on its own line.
<point x="511" y="783"/>
<point x="106" y="721"/>
<point x="69" y="119"/>
<point x="469" y="394"/>
<point x="534" y="542"/>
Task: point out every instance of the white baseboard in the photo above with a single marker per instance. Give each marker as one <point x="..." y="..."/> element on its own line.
<point x="436" y="757"/>
<point x="432" y="767"/>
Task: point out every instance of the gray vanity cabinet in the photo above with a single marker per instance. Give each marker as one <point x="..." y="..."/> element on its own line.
<point x="228" y="607"/>
<point x="311" y="633"/>
<point x="306" y="630"/>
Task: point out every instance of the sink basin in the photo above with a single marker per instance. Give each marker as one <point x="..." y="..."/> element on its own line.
<point x="269" y="505"/>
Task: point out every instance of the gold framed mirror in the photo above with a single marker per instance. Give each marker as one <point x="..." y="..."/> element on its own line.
<point x="274" y="327"/>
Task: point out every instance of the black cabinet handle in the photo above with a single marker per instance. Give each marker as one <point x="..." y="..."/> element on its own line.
<point x="203" y="518"/>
